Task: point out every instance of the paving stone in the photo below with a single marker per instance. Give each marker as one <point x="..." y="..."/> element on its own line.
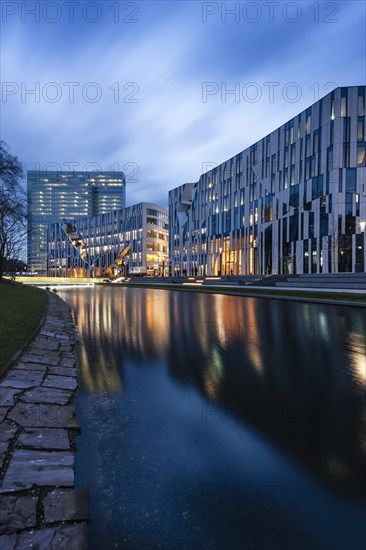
<point x="28" y="468"/>
<point x="30" y="367"/>
<point x="17" y="512"/>
<point x="70" y="537"/>
<point x="48" y="333"/>
<point x="22" y="379"/>
<point x="63" y="336"/>
<point x="45" y="344"/>
<point x="44" y="415"/>
<point x="8" y="542"/>
<point x="65" y="537"/>
<point x="63" y="371"/>
<point x="58" y="333"/>
<point x="7" y="433"/>
<point x="44" y="438"/>
<point x="63" y="382"/>
<point x="34" y="350"/>
<point x="65" y="353"/>
<point x="53" y="322"/>
<point x="67" y="362"/>
<point x="66" y="505"/>
<point x="66" y="348"/>
<point x="7" y="396"/>
<point x="46" y="395"/>
<point x="3" y="413"/>
<point x="53" y="358"/>
<point x="33" y="395"/>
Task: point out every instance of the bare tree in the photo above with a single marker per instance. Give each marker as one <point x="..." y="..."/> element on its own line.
<point x="13" y="210"/>
<point x="331" y="242"/>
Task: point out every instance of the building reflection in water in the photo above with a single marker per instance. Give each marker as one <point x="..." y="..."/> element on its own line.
<point x="356" y="352"/>
<point x="294" y="371"/>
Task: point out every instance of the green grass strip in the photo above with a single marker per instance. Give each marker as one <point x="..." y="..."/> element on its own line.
<point x="21" y="309"/>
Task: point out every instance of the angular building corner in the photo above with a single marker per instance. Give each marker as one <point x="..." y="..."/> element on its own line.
<point x="294" y="202"/>
<point x="131" y="240"/>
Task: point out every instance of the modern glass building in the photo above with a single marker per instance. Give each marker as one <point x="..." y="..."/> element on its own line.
<point x="294" y="202"/>
<point x="133" y="239"/>
<point x="54" y="196"/>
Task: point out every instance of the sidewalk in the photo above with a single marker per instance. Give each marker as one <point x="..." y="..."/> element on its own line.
<point x="39" y="505"/>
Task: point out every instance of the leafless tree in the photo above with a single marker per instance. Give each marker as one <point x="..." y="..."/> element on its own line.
<point x="330" y="243"/>
<point x="13" y="210"/>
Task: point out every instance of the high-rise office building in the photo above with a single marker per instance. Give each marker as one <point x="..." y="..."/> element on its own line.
<point x="294" y="202"/>
<point x="55" y="196"/>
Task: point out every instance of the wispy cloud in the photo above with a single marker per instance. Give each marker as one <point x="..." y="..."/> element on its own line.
<point x="168" y="55"/>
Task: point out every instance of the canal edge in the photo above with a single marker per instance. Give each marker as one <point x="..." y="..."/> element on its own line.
<point x="228" y="292"/>
<point x="39" y="502"/>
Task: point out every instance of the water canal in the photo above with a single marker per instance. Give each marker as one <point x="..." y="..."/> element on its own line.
<point x="220" y="422"/>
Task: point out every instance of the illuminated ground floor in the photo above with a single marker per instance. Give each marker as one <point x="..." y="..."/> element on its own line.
<point x="268" y="253"/>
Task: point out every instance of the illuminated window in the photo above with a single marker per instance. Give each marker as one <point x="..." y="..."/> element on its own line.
<point x="361" y="155"/>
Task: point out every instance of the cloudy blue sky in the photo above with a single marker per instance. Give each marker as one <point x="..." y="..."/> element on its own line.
<point x="137" y="97"/>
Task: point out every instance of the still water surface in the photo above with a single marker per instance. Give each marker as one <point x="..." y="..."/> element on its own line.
<point x="219" y="422"/>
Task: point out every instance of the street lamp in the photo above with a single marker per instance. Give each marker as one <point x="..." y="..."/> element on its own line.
<point x="220" y="252"/>
<point x="362" y="225"/>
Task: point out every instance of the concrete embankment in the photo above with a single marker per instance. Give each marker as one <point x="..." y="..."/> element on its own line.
<point x="332" y="297"/>
<point x="40" y="506"/>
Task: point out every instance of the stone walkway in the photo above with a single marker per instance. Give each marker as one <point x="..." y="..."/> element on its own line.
<point x="40" y="507"/>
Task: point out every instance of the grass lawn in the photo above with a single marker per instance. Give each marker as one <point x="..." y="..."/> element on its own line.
<point x="21" y="308"/>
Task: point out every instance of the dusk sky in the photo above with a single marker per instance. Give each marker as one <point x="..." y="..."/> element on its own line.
<point x="138" y="74"/>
